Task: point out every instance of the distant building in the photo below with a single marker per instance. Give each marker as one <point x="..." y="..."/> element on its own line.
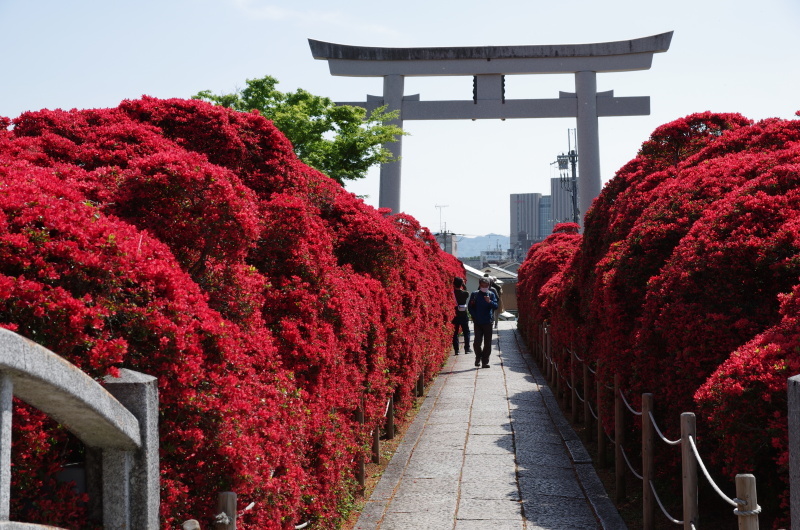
<point x="534" y="215"/>
<point x="448" y="243"/>
<point x="561" y="200"/>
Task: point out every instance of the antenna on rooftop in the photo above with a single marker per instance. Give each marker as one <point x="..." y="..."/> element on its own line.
<point x="440" y="206"/>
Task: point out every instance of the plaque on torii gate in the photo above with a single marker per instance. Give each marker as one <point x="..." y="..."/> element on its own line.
<point x="488" y="66"/>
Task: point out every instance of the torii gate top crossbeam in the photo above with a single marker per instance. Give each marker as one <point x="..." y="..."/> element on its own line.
<point x="617" y="56"/>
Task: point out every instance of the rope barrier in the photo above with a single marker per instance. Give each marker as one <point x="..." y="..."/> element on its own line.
<point x="608" y="436"/>
<point x="663" y="510"/>
<point x="627" y="405"/>
<point x="592" y="412"/>
<point x="625" y="457"/>
<point x="736" y="503"/>
<point x="664" y="438"/>
<point x="388" y="404"/>
<point x="733" y="502"/>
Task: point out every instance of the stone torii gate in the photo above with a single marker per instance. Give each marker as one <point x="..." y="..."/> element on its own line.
<point x="488" y="66"/>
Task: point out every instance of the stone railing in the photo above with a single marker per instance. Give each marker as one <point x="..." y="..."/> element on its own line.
<point x="117" y="422"/>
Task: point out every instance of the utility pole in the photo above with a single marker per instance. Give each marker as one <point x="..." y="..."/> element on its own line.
<point x="567" y="183"/>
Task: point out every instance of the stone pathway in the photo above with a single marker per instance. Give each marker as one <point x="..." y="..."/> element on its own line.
<point x="490" y="449"/>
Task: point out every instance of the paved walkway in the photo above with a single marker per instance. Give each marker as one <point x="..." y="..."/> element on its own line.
<point x="490" y="449"/>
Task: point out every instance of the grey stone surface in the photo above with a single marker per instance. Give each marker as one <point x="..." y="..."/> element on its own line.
<point x="489" y="509"/>
<point x="9" y="525"/>
<point x="463" y="524"/>
<point x="512" y="463"/>
<point x="59" y="389"/>
<point x="139" y="394"/>
<point x="121" y="422"/>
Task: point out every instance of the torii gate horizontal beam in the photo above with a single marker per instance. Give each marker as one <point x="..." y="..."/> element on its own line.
<point x="565" y="106"/>
<point x="618" y="56"/>
<point x="489" y="66"/>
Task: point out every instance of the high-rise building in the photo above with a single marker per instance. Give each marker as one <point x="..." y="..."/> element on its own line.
<point x="534" y="215"/>
<point x="524" y="221"/>
<point x="562" y="203"/>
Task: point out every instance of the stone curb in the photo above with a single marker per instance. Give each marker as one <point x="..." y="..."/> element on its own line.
<point x="598" y="498"/>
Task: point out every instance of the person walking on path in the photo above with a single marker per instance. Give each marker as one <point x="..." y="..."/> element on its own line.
<point x="482" y="305"/>
<point x="461" y="318"/>
<point x="494" y="286"/>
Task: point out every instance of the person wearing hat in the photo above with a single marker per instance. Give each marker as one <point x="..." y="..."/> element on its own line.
<point x="482" y="305"/>
<point x="461" y="319"/>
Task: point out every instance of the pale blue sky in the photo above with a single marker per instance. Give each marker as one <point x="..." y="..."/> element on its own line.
<point x="726" y="56"/>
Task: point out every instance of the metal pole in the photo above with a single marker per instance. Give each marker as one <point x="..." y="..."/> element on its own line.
<point x="573" y="160"/>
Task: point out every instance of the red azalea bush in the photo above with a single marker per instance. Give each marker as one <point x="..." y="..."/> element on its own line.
<point x="187" y="241"/>
<point x="684" y="260"/>
<point x="540" y="276"/>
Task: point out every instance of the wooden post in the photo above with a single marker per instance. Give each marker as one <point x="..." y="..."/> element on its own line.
<point x="557" y="381"/>
<point x="746" y="491"/>
<point x="360" y="465"/>
<point x="573" y="377"/>
<point x="421" y="384"/>
<point x="376" y="445"/>
<point x="226" y="504"/>
<point x="588" y="420"/>
<point x="601" y="431"/>
<point x="619" y="441"/>
<point x="390" y="420"/>
<point x="540" y="345"/>
<point x="548" y="358"/>
<point x="689" y="470"/>
<point x="648" y="466"/>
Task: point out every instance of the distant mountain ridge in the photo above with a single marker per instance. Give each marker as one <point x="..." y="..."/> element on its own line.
<point x="473" y="246"/>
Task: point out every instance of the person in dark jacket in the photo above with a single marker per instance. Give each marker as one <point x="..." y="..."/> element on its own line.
<point x="461" y="318"/>
<point x="482" y="305"/>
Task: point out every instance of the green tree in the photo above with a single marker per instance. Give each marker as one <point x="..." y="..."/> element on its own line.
<point x="341" y="141"/>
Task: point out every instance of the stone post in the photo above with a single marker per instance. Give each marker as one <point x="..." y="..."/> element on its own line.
<point x="6" y="398"/>
<point x="135" y="472"/>
<point x="794" y="449"/>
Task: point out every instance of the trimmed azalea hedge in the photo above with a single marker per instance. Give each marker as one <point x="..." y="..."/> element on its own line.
<point x="187" y="241"/>
<point x="686" y="282"/>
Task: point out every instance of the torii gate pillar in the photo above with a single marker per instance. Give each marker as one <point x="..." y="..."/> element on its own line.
<point x="389" y="194"/>
<point x="488" y="66"/>
<point x="588" y="140"/>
